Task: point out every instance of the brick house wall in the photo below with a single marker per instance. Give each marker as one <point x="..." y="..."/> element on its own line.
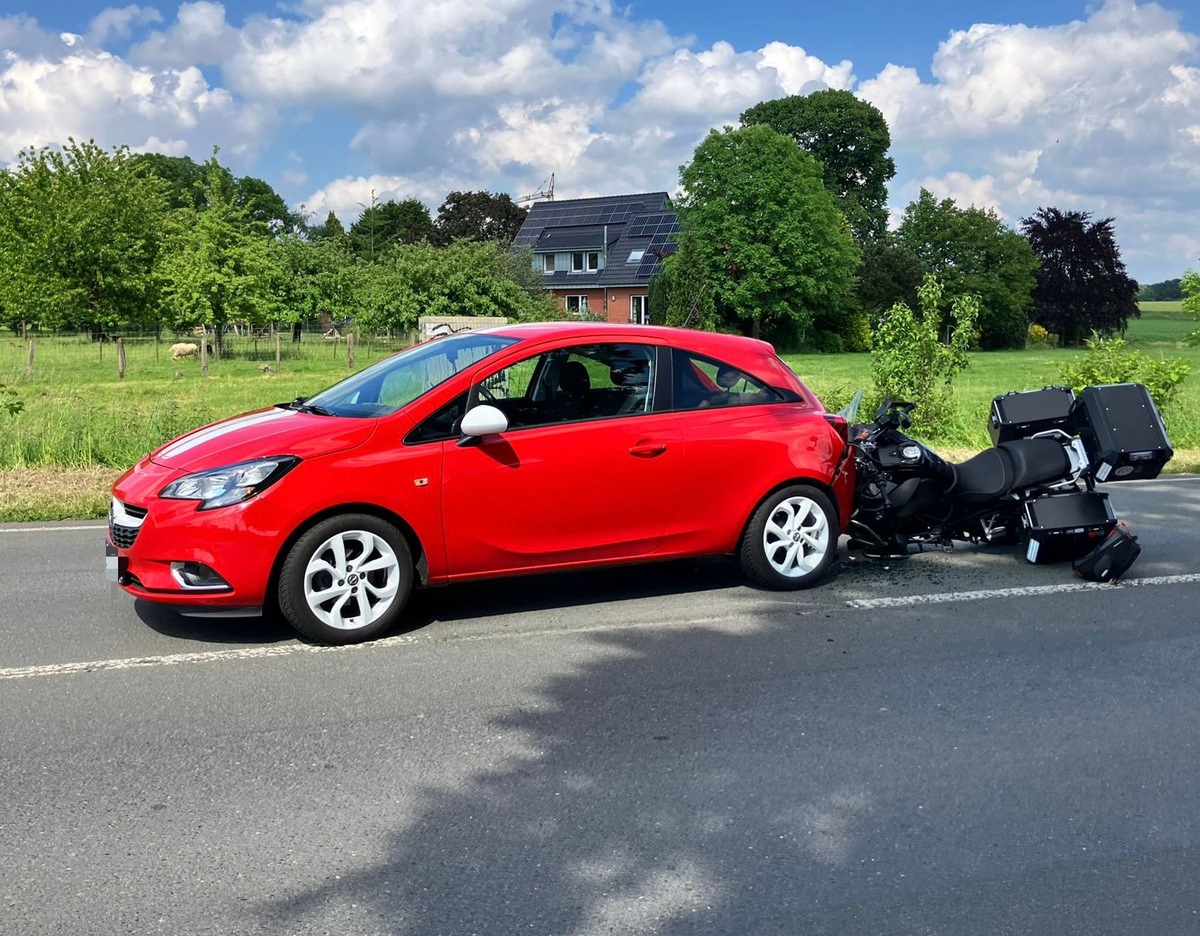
<point x="613" y="303"/>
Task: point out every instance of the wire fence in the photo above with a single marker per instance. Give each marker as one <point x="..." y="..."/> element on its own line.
<point x="134" y="352"/>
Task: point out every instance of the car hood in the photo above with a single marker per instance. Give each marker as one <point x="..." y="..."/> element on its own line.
<point x="266" y="432"/>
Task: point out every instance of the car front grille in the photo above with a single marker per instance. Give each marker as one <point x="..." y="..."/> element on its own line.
<point x="124" y="522"/>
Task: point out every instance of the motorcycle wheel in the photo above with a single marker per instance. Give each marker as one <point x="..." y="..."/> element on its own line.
<point x="790" y="540"/>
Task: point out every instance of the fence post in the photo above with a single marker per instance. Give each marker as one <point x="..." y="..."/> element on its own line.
<point x="350" y="350"/>
<point x="204" y="353"/>
<point x="277" y="352"/>
<point x="121" y="358"/>
<point x="29" y="363"/>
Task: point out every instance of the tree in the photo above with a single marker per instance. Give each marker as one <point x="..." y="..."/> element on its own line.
<point x="184" y="179"/>
<point x="774" y="246"/>
<point x="466" y="278"/>
<point x="265" y="207"/>
<point x="479" y="216"/>
<point x="321" y="277"/>
<point x="79" y="232"/>
<point x="679" y="293"/>
<point x="1190" y="287"/>
<point x="851" y="139"/>
<point x="1166" y="291"/>
<point x="1081" y="284"/>
<point x="972" y="251"/>
<point x="213" y="268"/>
<point x="331" y="229"/>
<point x="890" y="273"/>
<point x="391" y="222"/>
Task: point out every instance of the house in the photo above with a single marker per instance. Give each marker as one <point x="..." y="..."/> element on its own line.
<point x="598" y="255"/>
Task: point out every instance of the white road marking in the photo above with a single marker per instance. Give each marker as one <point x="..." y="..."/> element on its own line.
<point x="947" y="597"/>
<point x="49" y="529"/>
<point x="177" y="659"/>
<point x="293" y="649"/>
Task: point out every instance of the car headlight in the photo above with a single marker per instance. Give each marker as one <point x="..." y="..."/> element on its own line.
<point x="220" y="487"/>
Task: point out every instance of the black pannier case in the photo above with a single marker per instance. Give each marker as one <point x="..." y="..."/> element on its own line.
<point x="1066" y="526"/>
<point x="1018" y="415"/>
<point x="1122" y="432"/>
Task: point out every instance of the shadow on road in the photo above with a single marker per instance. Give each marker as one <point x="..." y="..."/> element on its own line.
<point x="839" y="775"/>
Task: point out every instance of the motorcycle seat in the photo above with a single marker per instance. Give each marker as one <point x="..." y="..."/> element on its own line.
<point x="1020" y="463"/>
<point x="1037" y="461"/>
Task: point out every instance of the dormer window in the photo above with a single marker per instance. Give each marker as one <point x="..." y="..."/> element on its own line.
<point x="585" y="262"/>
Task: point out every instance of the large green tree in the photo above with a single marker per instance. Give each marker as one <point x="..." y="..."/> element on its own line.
<point x="466" y="278"/>
<point x="214" y="268"/>
<point x="79" y="232"/>
<point x="851" y="139"/>
<point x="384" y="224"/>
<point x="774" y="246"/>
<point x="479" y="216"/>
<point x="679" y="293"/>
<point x="1082" y="285"/>
<point x="890" y="273"/>
<point x="321" y="277"/>
<point x="185" y="187"/>
<point x="972" y="252"/>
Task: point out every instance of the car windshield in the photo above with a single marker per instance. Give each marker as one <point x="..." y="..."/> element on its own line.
<point x="385" y="387"/>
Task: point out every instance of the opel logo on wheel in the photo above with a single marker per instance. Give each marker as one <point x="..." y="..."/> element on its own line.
<point x="352" y="578"/>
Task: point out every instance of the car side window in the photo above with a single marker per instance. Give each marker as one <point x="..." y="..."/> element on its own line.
<point x="579" y="382"/>
<point x="701" y="383"/>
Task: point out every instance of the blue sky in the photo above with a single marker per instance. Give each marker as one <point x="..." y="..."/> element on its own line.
<point x="1012" y="106"/>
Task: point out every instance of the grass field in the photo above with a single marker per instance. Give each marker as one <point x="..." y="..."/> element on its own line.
<point x="81" y="425"/>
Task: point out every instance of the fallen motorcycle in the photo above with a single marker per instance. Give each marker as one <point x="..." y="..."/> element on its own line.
<point x="1036" y="486"/>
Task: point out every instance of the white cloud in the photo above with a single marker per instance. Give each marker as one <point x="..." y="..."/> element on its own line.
<point x="70" y="89"/>
<point x="1097" y="115"/>
<point x="1100" y="114"/>
<point x="119" y="23"/>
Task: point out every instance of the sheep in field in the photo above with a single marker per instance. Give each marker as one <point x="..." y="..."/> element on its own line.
<point x="188" y="349"/>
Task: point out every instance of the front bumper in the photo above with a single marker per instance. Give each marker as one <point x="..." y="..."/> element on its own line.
<point x="153" y="542"/>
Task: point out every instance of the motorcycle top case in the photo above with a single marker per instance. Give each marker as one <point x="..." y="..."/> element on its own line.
<point x="1122" y="432"/>
<point x="1020" y="414"/>
<point x="1066" y="526"/>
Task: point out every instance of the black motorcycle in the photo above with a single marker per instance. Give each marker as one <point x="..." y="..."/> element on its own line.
<point x="1036" y="486"/>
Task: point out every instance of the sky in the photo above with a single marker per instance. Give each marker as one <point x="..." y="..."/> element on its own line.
<point x="1012" y="106"/>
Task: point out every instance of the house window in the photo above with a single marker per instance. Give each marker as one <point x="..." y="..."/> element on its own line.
<point x="635" y="256"/>
<point x="545" y="263"/>
<point x="585" y="262"/>
<point x="577" y="304"/>
<point x="639" y="313"/>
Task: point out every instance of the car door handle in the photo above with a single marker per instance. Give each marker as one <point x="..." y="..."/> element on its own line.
<point x="648" y="449"/>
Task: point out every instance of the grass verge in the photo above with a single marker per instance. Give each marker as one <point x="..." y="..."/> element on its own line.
<point x="55" y="493"/>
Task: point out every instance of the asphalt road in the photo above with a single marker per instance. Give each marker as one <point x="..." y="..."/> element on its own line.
<point x="656" y="750"/>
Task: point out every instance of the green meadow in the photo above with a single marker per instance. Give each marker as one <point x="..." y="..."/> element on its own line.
<point x="80" y="424"/>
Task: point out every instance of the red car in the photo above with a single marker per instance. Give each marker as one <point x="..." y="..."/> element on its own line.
<point x="524" y="448"/>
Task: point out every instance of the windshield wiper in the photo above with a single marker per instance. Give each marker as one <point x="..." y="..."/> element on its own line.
<point x="300" y="406"/>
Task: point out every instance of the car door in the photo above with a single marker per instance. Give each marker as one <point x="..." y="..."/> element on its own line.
<point x="572" y="480"/>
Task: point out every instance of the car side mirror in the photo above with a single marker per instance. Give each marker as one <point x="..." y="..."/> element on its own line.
<point x="483" y="420"/>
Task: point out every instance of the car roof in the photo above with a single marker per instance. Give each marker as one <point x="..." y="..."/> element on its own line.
<point x="700" y="341"/>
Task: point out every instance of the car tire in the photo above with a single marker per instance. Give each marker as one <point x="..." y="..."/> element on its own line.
<point x="346" y="580"/>
<point x="790" y="540"/>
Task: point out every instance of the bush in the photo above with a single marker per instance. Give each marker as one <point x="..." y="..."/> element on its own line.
<point x="1110" y="360"/>
<point x="1037" y="334"/>
<point x="856" y="333"/>
<point x="827" y="342"/>
<point x="909" y="362"/>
